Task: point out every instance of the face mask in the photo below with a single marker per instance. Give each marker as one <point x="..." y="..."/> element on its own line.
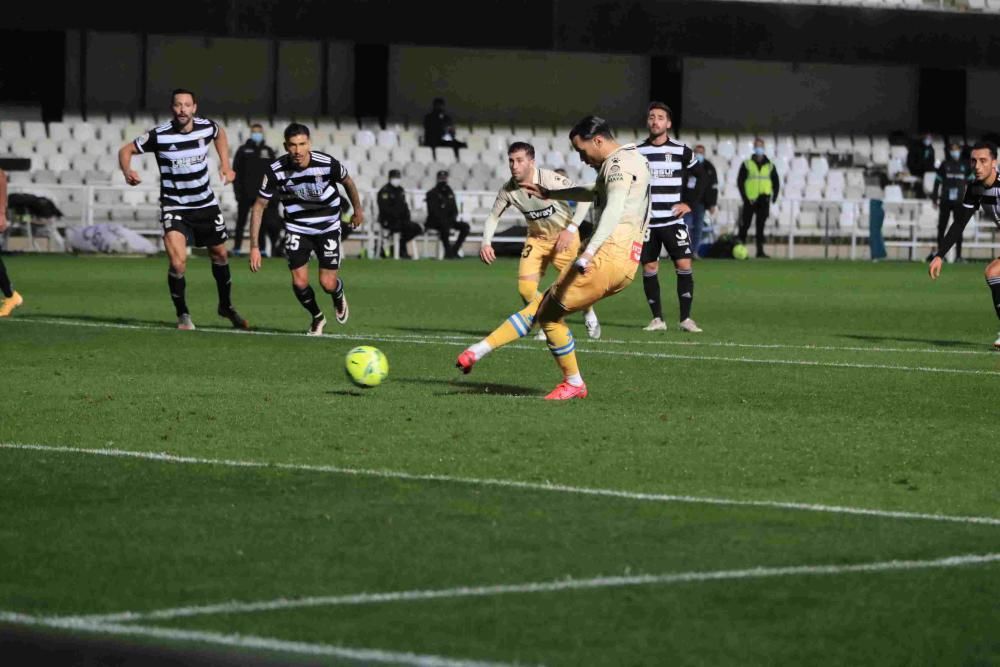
<point x="955" y="154"/>
<point x="257" y="137"/>
<point x="758" y="150"/>
<point x="699" y="157"/>
<point x="927" y="142"/>
<point x="394" y="182"/>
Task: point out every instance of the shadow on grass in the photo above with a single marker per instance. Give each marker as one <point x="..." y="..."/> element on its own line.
<point x="147" y="324"/>
<point x="902" y="339"/>
<point x="434" y="330"/>
<point x="346" y="392"/>
<point x="460" y="386"/>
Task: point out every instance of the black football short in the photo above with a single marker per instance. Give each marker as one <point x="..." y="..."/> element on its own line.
<point x="203" y="227"/>
<point x="299" y="247"/>
<point x="674" y="237"/>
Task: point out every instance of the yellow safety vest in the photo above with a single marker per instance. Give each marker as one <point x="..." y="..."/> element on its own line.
<point x="758" y="181"/>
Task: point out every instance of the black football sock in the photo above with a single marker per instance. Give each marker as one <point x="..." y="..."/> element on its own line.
<point x="177" y="285"/>
<point x="685" y="292"/>
<point x="224" y="284"/>
<point x="651" y="286"/>
<point x="5" y="286"/>
<point x="308" y="300"/>
<point x="338" y="294"/>
<point x="994" y="284"/>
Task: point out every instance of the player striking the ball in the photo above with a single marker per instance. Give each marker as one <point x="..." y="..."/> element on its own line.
<point x="606" y="267"/>
<point x="553" y="228"/>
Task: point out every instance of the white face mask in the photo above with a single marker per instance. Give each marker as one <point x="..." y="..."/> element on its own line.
<point x="394" y="182"/>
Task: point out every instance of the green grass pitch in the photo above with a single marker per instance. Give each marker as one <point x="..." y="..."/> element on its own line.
<point x="813" y="480"/>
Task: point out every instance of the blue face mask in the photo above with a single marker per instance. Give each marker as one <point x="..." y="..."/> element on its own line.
<point x="257" y="137"/>
<point x="758" y="150"/>
<point x="927" y="141"/>
<point x="955" y="154"/>
<point x="699" y="157"/>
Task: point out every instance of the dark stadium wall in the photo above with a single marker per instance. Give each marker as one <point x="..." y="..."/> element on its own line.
<point x="510" y="86"/>
<point x="755" y="95"/>
<point x="124" y="72"/>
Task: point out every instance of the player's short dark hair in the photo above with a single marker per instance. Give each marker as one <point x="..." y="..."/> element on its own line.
<point x="295" y="129"/>
<point x="662" y="107"/>
<point x="988" y="145"/>
<point x="522" y="146"/>
<point x="591" y="126"/>
<point x="183" y="91"/>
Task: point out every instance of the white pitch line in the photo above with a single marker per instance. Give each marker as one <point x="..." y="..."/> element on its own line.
<point x="365" y="655"/>
<point x="510" y="484"/>
<point x="559" y="585"/>
<point x="389" y="338"/>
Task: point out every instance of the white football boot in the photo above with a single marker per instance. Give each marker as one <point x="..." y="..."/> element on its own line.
<point x="690" y="326"/>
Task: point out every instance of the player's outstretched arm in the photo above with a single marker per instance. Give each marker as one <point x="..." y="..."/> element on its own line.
<point x="612" y="214"/>
<point x="358" y="218"/>
<point x="256" y="218"/>
<point x="226" y="172"/>
<point x="576" y="193"/>
<point x="125" y="154"/>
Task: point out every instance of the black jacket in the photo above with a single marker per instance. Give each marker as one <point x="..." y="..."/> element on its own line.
<point x="952" y="177"/>
<point x="442" y="209"/>
<point x="436" y="125"/>
<point x="249" y="164"/>
<point x="920" y="159"/>
<point x="704" y="181"/>
<point x="393" y="212"/>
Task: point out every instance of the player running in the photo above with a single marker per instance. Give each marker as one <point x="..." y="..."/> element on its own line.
<point x="553" y="228"/>
<point x="983" y="193"/>
<point x="306" y="182"/>
<point x="606" y="267"/>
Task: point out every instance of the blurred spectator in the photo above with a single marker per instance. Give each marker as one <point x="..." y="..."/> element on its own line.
<point x="249" y="164"/>
<point x="952" y="177"/>
<point x="394" y="213"/>
<point x="920" y="160"/>
<point x="442" y="216"/>
<point x="758" y="184"/>
<point x="439" y="129"/>
<point x="695" y="220"/>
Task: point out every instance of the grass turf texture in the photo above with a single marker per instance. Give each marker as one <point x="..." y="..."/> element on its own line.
<point x="87" y="534"/>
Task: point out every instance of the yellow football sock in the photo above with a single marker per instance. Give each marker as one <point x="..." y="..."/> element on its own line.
<point x="562" y="347"/>
<point x="517" y="325"/>
<point x="527" y="289"/>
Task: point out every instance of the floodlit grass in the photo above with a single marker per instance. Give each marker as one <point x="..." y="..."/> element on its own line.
<point x="845" y="385"/>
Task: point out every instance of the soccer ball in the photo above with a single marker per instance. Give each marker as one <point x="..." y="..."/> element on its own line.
<point x="740" y="251"/>
<point x="366" y="366"/>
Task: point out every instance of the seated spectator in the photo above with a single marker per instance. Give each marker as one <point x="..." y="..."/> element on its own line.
<point x="442" y="215"/>
<point x="439" y="129"/>
<point x="394" y="213"/>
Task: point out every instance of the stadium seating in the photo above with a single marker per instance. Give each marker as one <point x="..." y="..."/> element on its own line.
<point x="826" y="180"/>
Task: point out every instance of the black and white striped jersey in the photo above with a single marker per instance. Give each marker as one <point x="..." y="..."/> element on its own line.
<point x="309" y="196"/>
<point x="987" y="199"/>
<point x="977" y="197"/>
<point x="183" y="161"/>
<point x="669" y="165"/>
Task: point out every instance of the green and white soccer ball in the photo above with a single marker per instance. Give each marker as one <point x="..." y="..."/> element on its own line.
<point x="366" y="366"/>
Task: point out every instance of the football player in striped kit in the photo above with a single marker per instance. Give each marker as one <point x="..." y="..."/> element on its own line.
<point x="189" y="209"/>
<point x="306" y="182"/>
<point x="671" y="162"/>
<point x="983" y="194"/>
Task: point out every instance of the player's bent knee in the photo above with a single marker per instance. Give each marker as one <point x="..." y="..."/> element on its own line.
<point x="650" y="269"/>
<point x="328" y="282"/>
